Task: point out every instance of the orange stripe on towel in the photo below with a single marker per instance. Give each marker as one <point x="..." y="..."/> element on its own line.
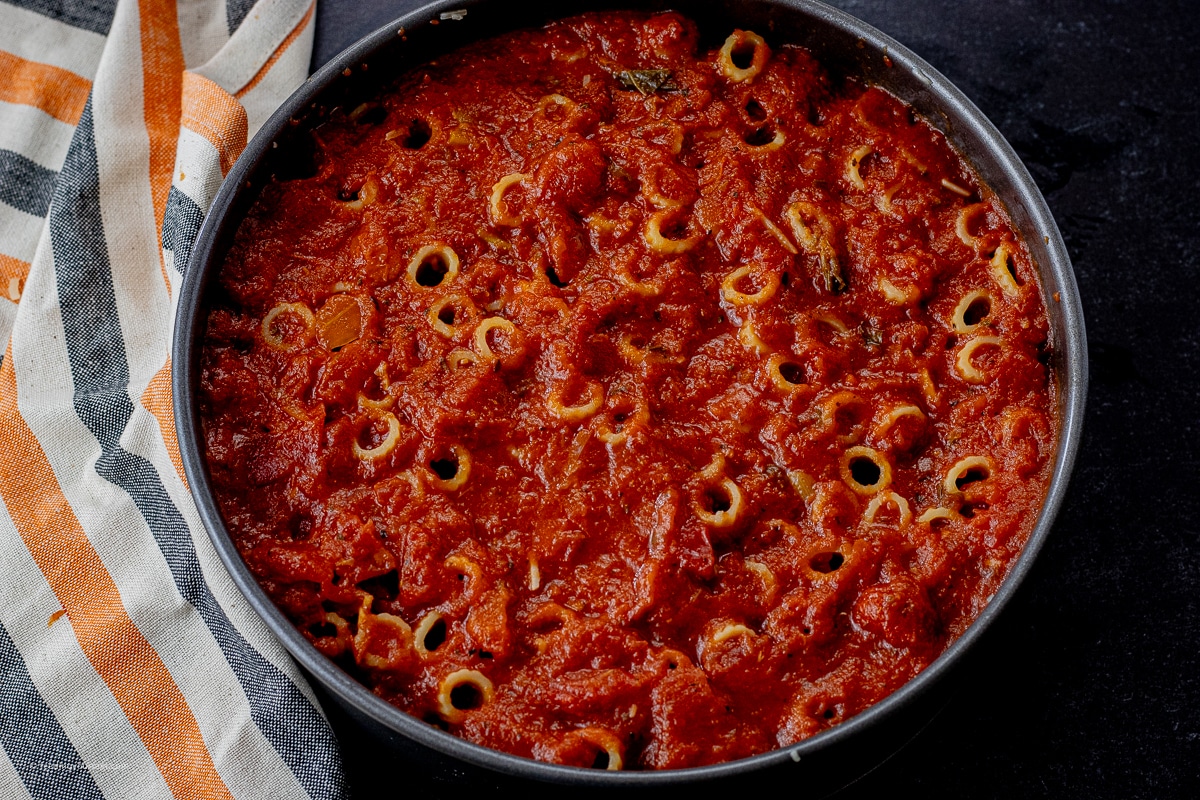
<point x="216" y="115"/>
<point x="158" y="400"/>
<point x="13" y="272"/>
<point x="162" y="100"/>
<point x="58" y="92"/>
<point x="124" y="659"/>
<point x="279" y="51"/>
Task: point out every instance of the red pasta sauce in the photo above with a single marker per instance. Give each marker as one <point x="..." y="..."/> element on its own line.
<point x="615" y="403"/>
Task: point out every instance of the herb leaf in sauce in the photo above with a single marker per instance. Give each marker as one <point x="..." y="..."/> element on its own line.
<point x="872" y="336"/>
<point x="646" y="81"/>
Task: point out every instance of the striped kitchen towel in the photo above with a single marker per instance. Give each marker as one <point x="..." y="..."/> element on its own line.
<point x="130" y="666"/>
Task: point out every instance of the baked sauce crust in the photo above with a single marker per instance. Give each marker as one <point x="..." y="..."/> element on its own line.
<point x="614" y="403"/>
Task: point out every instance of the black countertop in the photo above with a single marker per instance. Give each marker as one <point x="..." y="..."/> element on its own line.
<point x="1089" y="685"/>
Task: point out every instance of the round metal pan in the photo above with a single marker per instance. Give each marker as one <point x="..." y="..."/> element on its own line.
<point x="845" y="46"/>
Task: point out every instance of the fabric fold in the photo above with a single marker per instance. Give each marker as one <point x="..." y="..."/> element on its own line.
<point x="165" y="682"/>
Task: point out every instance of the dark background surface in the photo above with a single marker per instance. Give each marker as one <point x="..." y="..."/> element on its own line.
<point x="1089" y="685"/>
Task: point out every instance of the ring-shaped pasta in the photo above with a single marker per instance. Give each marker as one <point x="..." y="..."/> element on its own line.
<point x="598" y="223"/>
<point x="833" y="322"/>
<point x="859" y="453"/>
<point x="963" y="225"/>
<point x="787" y="375"/>
<point x="643" y="288"/>
<point x="723" y="517"/>
<point x="803" y="483"/>
<point x="545" y="619"/>
<point x="802" y="229"/>
<point x="468" y="568"/>
<point x="462" y="471"/>
<point x="341" y="639"/>
<point x="1001" y="272"/>
<point x="932" y="515"/>
<point x="415" y="133"/>
<point x="738" y="40"/>
<point x="371" y="405"/>
<point x="883" y="201"/>
<point x="823" y="561"/>
<point x="462" y="677"/>
<point x="456" y="303"/>
<point x="737" y="297"/>
<point x="396" y="656"/>
<point x="634" y="415"/>
<point x="928" y="388"/>
<point x="396" y="631"/>
<point x="1019" y="423"/>
<point x="368" y="623"/>
<point x="381" y="372"/>
<point x="632" y="348"/>
<point x="791" y="531"/>
<point x="776" y="142"/>
<point x="766" y="576"/>
<point x="367" y="194"/>
<point x="715" y="468"/>
<point x="751" y="340"/>
<point x="484" y="328"/>
<point x="549" y="614"/>
<point x="607" y="742"/>
<point x="416" y="486"/>
<point x="556" y="100"/>
<point x="896" y="295"/>
<point x="729" y="630"/>
<point x="845" y="410"/>
<point x="854" y="163"/>
<point x="423" y="628"/>
<point x="497" y="207"/>
<point x="893" y="499"/>
<point x="651" y="190"/>
<point x="959" y="320"/>
<point x="445" y="253"/>
<point x="274" y="339"/>
<point x="965" y="366"/>
<point x="895" y="415"/>
<point x="962" y="469"/>
<point x="460" y="357"/>
<point x="659" y="200"/>
<point x="659" y="243"/>
<point x="383" y="448"/>
<point x="595" y="399"/>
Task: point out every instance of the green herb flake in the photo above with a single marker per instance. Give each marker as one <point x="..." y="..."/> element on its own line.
<point x="646" y="81"/>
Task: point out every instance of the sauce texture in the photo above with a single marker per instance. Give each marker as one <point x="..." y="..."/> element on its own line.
<point x="615" y="403"/>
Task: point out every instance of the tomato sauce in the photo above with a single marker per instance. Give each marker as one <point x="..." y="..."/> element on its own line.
<point x="615" y="403"/>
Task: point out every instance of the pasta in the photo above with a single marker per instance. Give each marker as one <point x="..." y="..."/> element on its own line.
<point x="461" y="692"/>
<point x="594" y="385"/>
<point x="280" y="339"/>
<point x="432" y="265"/>
<point x="730" y="291"/>
<point x="499" y="209"/>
